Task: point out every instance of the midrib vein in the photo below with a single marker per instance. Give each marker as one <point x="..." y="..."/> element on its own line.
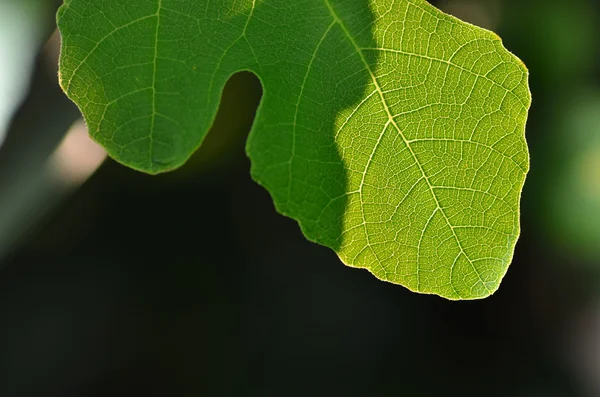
<point x="153" y="118"/>
<point x="294" y="129"/>
<point x="406" y="142"/>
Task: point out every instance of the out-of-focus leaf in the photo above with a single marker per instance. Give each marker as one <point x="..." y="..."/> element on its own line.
<point x="575" y="188"/>
<point x="21" y="32"/>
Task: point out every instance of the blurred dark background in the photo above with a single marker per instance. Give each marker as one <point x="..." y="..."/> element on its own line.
<point x="189" y="283"/>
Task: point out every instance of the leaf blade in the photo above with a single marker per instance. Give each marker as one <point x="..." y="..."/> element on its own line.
<point x="391" y="132"/>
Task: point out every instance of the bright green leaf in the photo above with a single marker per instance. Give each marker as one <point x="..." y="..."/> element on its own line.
<point x="392" y="132"/>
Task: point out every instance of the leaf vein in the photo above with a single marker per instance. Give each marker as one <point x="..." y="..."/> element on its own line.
<point x="392" y="121"/>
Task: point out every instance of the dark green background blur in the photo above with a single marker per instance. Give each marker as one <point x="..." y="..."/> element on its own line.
<point x="190" y="284"/>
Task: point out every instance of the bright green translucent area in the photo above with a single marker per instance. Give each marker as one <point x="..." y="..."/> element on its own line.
<point x="392" y="132"/>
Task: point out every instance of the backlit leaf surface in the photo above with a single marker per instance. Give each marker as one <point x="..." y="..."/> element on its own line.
<point x="392" y="132"/>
